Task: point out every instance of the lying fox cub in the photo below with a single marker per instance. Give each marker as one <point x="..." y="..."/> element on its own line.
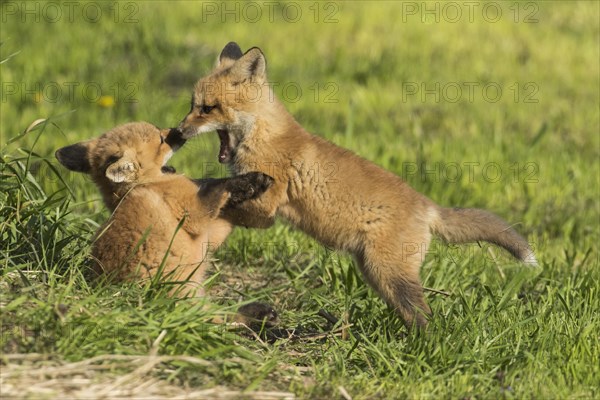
<point x="157" y="218"/>
<point x="361" y="208"/>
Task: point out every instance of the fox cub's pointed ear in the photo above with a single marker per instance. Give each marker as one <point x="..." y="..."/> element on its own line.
<point x="76" y="156"/>
<point x="230" y="53"/>
<point x="252" y="65"/>
<point x="125" y="169"/>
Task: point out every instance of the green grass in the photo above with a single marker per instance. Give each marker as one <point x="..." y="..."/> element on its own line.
<point x="504" y="330"/>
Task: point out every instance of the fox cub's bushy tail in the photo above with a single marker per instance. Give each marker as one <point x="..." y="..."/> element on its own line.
<point x="463" y="225"/>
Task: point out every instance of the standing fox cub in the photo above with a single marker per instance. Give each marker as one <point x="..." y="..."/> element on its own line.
<point x="157" y="218"/>
<point x="362" y="208"/>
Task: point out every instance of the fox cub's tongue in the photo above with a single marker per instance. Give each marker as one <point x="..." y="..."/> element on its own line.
<point x="225" y="148"/>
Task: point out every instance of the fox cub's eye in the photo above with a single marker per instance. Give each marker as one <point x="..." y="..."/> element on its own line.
<point x="206" y="109"/>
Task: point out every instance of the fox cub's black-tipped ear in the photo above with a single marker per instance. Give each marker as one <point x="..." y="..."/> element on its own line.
<point x="252" y="65"/>
<point x="75" y="157"/>
<point x="230" y="53"/>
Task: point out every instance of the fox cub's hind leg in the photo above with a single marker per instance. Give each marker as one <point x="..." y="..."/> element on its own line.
<point x="403" y="292"/>
<point x="394" y="273"/>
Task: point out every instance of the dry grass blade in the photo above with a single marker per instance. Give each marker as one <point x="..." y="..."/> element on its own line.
<point x="34" y="124"/>
<point x="29" y="376"/>
<point x="344" y="393"/>
<point x="436" y="291"/>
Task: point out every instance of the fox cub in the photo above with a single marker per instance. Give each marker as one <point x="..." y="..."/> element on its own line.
<point x="158" y="217"/>
<point x="356" y="207"/>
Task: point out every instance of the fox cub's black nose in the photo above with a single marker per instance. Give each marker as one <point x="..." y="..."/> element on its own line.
<point x="175" y="138"/>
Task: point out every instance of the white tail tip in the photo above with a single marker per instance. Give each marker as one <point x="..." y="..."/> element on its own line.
<point x="530" y="260"/>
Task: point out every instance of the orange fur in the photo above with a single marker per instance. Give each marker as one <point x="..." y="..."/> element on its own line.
<point x="157" y="218"/>
<point x="344" y="201"/>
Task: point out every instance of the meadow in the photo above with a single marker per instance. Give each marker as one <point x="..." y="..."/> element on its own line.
<point x="493" y="105"/>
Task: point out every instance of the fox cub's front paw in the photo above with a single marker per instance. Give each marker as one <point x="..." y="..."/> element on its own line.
<point x="258" y="183"/>
<point x="248" y="186"/>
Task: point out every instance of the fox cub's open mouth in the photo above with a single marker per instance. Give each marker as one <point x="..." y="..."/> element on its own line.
<point x="225" y="149"/>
